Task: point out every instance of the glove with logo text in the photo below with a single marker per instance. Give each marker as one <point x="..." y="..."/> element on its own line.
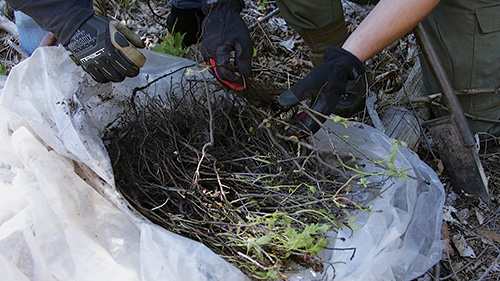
<point x="106" y="49"/>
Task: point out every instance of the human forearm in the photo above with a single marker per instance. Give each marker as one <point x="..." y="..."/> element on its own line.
<point x="387" y="22"/>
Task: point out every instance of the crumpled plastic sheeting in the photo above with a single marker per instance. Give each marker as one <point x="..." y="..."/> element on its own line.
<point x="54" y="226"/>
<point x="400" y="236"/>
<point x="38" y="94"/>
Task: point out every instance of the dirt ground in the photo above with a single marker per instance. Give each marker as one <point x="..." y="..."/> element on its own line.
<point x="471" y="230"/>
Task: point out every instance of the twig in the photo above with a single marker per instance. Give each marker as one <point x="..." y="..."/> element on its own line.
<point x="17" y="48"/>
<point x="136" y="89"/>
<point x="431" y="100"/>
<point x="211" y="142"/>
<point x="256" y="262"/>
<point x="7" y="25"/>
<point x="478" y="91"/>
<point x="454" y="272"/>
<point x="264" y="18"/>
<point x="221" y="186"/>
<point x="495" y="263"/>
<point x="437" y="271"/>
<point x="294" y="78"/>
<point x="153" y="11"/>
<point x="370" y="107"/>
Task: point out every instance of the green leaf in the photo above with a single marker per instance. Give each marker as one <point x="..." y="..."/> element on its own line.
<point x="3" y="69"/>
<point x="338" y="119"/>
<point x="320" y="245"/>
<point x="324" y="227"/>
<point x="263" y="240"/>
<point x="363" y="181"/>
<point x="310" y="230"/>
<point x="272" y="274"/>
<point x="263" y="4"/>
<point x="261" y="274"/>
<point x="172" y="44"/>
<point x="290" y="231"/>
<point x="312" y="189"/>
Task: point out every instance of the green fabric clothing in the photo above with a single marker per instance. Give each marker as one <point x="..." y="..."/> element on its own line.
<point x="466" y="36"/>
<point x="312" y="14"/>
<point x="319" y="22"/>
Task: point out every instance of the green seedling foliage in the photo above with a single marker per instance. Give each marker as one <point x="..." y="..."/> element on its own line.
<point x="3" y="69"/>
<point x="172" y="44"/>
<point x="389" y="161"/>
<point x="340" y="119"/>
<point x="271" y="274"/>
<point x="262" y="4"/>
<point x="285" y="235"/>
<point x="127" y="4"/>
<point x="362" y="181"/>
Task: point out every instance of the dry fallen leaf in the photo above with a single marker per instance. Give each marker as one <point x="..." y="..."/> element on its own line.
<point x="479" y="216"/>
<point x="464" y="215"/>
<point x="445" y="236"/>
<point x="463" y="248"/>
<point x="439" y="166"/>
<point x="301" y="62"/>
<point x="489" y="235"/>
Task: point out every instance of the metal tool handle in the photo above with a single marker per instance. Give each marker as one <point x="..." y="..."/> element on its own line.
<point x="444" y="84"/>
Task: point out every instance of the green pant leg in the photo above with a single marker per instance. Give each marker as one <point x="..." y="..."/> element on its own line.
<point x="319" y="22"/>
<point x="466" y="36"/>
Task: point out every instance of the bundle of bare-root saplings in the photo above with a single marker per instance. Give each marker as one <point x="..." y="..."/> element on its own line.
<point x="215" y="168"/>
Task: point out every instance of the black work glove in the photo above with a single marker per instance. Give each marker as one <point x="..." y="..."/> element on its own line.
<point x="324" y="84"/>
<point x="187" y="22"/>
<point x="224" y="32"/>
<point x="105" y="48"/>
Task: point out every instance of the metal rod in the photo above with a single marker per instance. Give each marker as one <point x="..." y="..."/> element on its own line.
<point x="478" y="91"/>
<point x="444" y="84"/>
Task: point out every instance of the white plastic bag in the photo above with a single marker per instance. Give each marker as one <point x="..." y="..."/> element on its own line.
<point x="400" y="235"/>
<point x="57" y="227"/>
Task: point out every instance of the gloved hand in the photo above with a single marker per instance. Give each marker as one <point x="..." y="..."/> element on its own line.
<point x="224" y="32"/>
<point x="324" y="84"/>
<point x="187" y="22"/>
<point x="105" y="48"/>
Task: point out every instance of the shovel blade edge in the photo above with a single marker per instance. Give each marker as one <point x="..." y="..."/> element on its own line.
<point x="460" y="162"/>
